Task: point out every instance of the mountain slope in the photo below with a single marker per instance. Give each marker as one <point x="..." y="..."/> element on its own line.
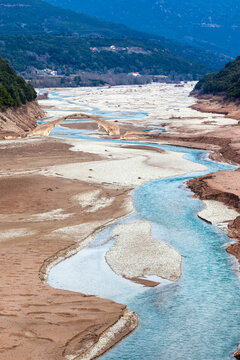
<point x="69" y="55"/>
<point x="36" y="17"/>
<point x="226" y="81"/>
<point x="212" y="24"/>
<point x="18" y="110"/>
<point x="28" y="17"/>
<point x="14" y="91"/>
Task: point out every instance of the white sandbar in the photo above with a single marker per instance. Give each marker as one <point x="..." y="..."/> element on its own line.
<point x="136" y="253"/>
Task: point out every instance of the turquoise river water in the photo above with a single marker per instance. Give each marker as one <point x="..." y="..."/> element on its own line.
<point x="194" y="319"/>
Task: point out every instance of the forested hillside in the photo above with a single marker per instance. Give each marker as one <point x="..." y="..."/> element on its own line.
<point x="67" y="54"/>
<point x="14" y="91"/>
<point x="36" y="16"/>
<point x="21" y="19"/>
<point x="213" y="24"/>
<point x="226" y="81"/>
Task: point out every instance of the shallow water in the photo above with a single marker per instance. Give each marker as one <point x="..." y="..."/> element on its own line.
<point x="197" y="318"/>
<point x="194" y="319"/>
<point x="162" y="129"/>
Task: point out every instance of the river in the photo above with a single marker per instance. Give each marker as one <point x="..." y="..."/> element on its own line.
<point x="196" y="318"/>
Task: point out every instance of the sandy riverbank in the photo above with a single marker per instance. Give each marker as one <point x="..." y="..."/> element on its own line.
<point x="221" y="194"/>
<point x="123" y="167"/>
<point x="219" y="105"/>
<point x="35" y="318"/>
<point x="223" y="187"/>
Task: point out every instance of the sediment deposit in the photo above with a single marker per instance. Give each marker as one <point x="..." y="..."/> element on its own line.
<point x="36" y="319"/>
<point x="218" y="104"/>
<point x="136" y="254"/>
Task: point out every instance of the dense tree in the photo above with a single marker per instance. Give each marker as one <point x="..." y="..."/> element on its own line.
<point x="14" y="90"/>
<point x="70" y="54"/>
<point x="212" y="24"/>
<point x="36" y="17"/>
<point x="226" y="81"/>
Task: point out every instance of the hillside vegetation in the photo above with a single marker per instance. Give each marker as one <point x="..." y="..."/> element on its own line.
<point x="51" y="26"/>
<point x="69" y="54"/>
<point x="213" y="25"/>
<point x="37" y="17"/>
<point x="14" y="91"/>
<point x="226" y="81"/>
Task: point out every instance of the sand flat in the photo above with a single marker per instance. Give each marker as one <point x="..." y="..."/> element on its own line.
<point x="124" y="167"/>
<point x="136" y="254"/>
<point x="151" y="103"/>
<point x="35" y="318"/>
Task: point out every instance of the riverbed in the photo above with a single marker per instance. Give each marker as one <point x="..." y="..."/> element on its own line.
<point x="195" y="318"/>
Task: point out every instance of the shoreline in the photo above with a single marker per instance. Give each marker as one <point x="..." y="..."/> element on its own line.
<point x="217" y="213"/>
<point x="111" y="337"/>
<point x="231" y="224"/>
<point x="217" y="104"/>
<point x="40" y="225"/>
<point x="125" y="325"/>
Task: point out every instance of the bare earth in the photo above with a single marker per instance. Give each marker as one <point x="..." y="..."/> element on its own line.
<point x="37" y="320"/>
